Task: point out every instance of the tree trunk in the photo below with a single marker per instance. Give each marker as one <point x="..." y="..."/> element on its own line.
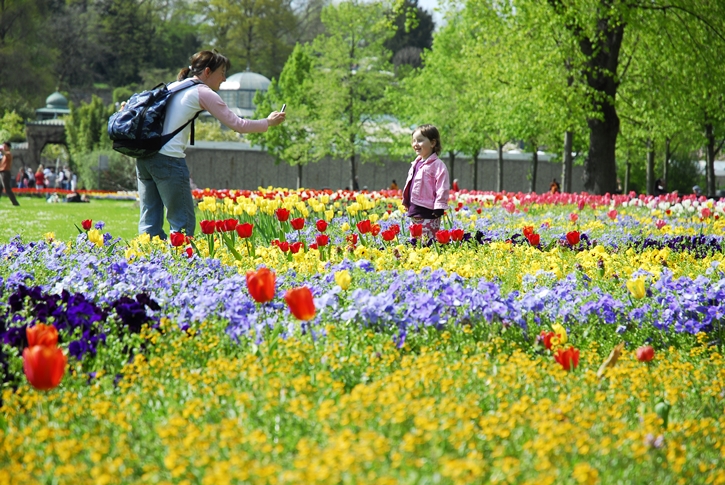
<point x="627" y="170"/>
<point x="566" y="168"/>
<point x="475" y="168"/>
<point x="601" y="50"/>
<point x="452" y="162"/>
<point x="650" y="167"/>
<point x="666" y="164"/>
<point x="710" y="159"/>
<point x="534" y="168"/>
<point x="499" y="168"/>
<point x="353" y="174"/>
<point x="299" y="176"/>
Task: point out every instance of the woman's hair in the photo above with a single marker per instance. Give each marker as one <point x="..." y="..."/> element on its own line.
<point x="431" y="132"/>
<point x="200" y="61"/>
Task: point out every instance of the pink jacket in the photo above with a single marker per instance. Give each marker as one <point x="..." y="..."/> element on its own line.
<point x="430" y="187"/>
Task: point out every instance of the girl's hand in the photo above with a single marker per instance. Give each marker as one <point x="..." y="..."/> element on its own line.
<point x="275" y="118"/>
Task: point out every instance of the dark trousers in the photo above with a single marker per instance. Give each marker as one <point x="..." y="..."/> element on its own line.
<point x="7" y="184"/>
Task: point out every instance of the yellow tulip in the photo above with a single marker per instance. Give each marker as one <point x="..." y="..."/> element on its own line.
<point x="636" y="288"/>
<point x="560" y="337"/>
<point x="343" y="279"/>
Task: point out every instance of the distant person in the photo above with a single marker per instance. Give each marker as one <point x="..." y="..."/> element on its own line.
<point x="59" y="182"/>
<point x="660" y="187"/>
<point x="554" y="188"/>
<point x="697" y="191"/>
<point x="355" y="184"/>
<point x="394" y="185"/>
<point x="455" y="185"/>
<point x="73" y="181"/>
<point x="49" y="177"/>
<point x="40" y="177"/>
<point x="6" y="163"/>
<point x="66" y="178"/>
<point x="31" y="177"/>
<point x="163" y="178"/>
<point x="426" y="189"/>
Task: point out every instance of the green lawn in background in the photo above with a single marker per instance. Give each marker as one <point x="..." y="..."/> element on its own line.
<point x="35" y="217"/>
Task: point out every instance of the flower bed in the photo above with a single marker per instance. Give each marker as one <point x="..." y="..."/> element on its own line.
<point x="538" y="339"/>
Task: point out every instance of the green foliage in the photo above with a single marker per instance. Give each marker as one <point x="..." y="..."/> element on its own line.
<point x="86" y="127"/>
<point x="351" y="72"/>
<point x="289" y="142"/>
<point x="12" y="127"/>
<point x="257" y="34"/>
<point x="122" y="94"/>
<point x="120" y="176"/>
<point x="212" y="130"/>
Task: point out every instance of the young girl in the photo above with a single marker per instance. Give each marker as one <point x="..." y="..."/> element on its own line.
<point x="164" y="179"/>
<point x="426" y="190"/>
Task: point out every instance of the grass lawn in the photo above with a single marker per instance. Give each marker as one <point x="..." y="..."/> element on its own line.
<point x="35" y="217"/>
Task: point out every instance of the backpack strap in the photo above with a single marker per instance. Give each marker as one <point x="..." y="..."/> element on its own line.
<point x="175" y="90"/>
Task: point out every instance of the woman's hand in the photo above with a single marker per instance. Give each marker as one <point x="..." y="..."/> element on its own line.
<point x="275" y="118"/>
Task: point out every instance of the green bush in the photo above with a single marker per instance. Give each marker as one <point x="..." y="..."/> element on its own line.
<point x="12" y="127"/>
<point x="120" y="175"/>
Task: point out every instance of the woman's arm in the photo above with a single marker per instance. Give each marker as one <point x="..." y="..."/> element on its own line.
<point x="213" y="103"/>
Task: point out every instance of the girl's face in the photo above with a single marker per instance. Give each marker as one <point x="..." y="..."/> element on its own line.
<point x="423" y="146"/>
<point x="214" y="78"/>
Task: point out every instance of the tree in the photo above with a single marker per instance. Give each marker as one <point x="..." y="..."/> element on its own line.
<point x="351" y="71"/>
<point x="292" y="141"/>
<point x="414" y="33"/>
<point x="86" y="127"/>
<point x="597" y="28"/>
<point x="256" y="34"/>
<point x="25" y="79"/>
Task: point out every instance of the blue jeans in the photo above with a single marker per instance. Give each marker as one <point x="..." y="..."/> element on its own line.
<point x="164" y="182"/>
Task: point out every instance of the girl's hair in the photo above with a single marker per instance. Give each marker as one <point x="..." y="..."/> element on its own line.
<point x="200" y="61"/>
<point x="431" y="132"/>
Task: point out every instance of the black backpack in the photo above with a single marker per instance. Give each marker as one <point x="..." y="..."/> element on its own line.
<point x="137" y="129"/>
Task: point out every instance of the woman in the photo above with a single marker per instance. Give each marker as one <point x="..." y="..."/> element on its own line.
<point x="40" y="177"/>
<point x="163" y="179"/>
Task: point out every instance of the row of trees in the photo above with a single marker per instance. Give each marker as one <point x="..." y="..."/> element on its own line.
<point x="608" y="79"/>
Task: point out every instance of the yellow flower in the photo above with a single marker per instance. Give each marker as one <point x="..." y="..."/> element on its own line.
<point x="560" y="337"/>
<point x="636" y="288"/>
<point x="343" y="279"/>
<point x="345" y="227"/>
<point x="95" y="236"/>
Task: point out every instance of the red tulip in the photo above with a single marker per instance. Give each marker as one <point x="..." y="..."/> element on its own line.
<point x="534" y="239"/>
<point x="443" y="236"/>
<point x="416" y="230"/>
<point x="86" y="224"/>
<point x="395" y="228"/>
<point x="42" y="334"/>
<point x="573" y="238"/>
<point x="612" y="214"/>
<point x="295" y="247"/>
<point x="569" y="358"/>
<point x="546" y="339"/>
<point x="351" y="239"/>
<point x="230" y="224"/>
<point x="313" y="246"/>
<point x="177" y="239"/>
<point x="364" y="226"/>
<point x="528" y="230"/>
<point x="208" y="227"/>
<point x="189" y="252"/>
<point x="44" y="366"/>
<point x="301" y="303"/>
<point x="322" y="240"/>
<point x="282" y="214"/>
<point x="321" y="225"/>
<point x="573" y="217"/>
<point x="457" y="234"/>
<point x="298" y="223"/>
<point x="645" y="353"/>
<point x="283" y="246"/>
<point x="245" y="230"/>
<point x="375" y="229"/>
<point x="388" y="235"/>
<point x="261" y="284"/>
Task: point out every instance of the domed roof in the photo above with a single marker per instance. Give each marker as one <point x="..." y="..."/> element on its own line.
<point x="56" y="101"/>
<point x="245" y="80"/>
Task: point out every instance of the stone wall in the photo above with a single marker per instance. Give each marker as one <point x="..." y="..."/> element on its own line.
<point x="232" y="165"/>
